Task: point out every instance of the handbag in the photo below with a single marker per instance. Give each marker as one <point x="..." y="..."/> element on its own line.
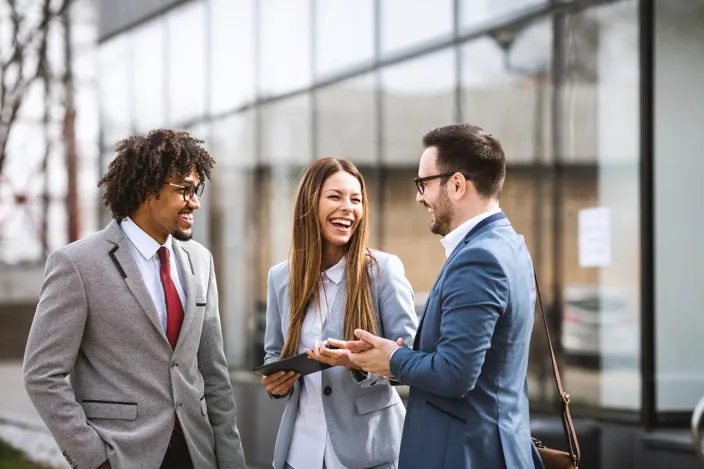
<point x="553" y="458"/>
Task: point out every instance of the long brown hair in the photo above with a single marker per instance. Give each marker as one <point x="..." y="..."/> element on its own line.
<point x="306" y="257"/>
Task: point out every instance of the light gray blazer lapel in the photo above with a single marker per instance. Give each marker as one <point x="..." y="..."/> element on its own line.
<point x="188" y="277"/>
<point x="122" y="258"/>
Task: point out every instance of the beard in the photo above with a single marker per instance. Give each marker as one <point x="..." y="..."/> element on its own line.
<point x="182" y="235"/>
<point x="442" y="215"/>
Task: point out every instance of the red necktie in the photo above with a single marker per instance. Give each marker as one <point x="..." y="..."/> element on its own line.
<point x="174" y="309"/>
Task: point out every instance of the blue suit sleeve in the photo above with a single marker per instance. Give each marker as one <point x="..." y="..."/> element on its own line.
<point x="474" y="295"/>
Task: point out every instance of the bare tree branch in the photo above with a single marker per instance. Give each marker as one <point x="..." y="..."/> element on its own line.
<point x="34" y="44"/>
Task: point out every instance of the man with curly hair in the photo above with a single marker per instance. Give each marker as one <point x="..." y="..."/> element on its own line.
<point x="131" y="315"/>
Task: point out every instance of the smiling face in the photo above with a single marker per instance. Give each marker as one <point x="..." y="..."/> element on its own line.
<point x="340" y="208"/>
<point x="434" y="196"/>
<point x="169" y="214"/>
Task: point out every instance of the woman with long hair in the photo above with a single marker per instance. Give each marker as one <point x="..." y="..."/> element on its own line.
<point x="331" y="285"/>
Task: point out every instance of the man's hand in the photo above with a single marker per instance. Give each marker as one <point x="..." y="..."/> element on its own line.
<point x="377" y="359"/>
<point x="332" y="357"/>
<point x="357" y="346"/>
<point x="280" y="382"/>
<point x="105" y="465"/>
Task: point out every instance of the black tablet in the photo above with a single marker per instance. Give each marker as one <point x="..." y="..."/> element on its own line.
<point x="299" y="363"/>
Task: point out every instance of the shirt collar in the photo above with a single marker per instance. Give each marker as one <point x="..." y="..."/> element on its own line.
<point x="145" y="244"/>
<point x="336" y="272"/>
<point x="453" y="238"/>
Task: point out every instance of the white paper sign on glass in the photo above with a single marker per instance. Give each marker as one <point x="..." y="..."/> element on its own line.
<point x="594" y="237"/>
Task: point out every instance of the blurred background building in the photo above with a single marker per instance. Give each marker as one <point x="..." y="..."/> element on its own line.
<point x="598" y="105"/>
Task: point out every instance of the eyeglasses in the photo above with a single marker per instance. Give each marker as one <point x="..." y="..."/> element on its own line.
<point x="189" y="190"/>
<point x="420" y="182"/>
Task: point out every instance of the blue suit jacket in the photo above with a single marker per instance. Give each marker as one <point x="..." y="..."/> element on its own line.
<point x="468" y="401"/>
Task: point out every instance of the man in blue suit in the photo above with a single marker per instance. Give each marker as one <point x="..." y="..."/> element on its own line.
<point x="468" y="401"/>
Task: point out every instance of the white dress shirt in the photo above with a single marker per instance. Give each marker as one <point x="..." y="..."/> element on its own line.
<point x="144" y="251"/>
<point x="310" y="443"/>
<point x="453" y="238"/>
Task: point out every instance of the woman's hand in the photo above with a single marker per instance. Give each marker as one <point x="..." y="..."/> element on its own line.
<point x="280" y="382"/>
<point x="334" y="357"/>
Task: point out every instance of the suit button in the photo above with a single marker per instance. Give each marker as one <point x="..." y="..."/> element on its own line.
<point x="174" y="365"/>
<point x="327" y="391"/>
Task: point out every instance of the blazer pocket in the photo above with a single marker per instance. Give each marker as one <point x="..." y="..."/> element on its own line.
<point x="110" y="410"/>
<point x="371" y="402"/>
<point x="439" y="409"/>
<point x="203" y="407"/>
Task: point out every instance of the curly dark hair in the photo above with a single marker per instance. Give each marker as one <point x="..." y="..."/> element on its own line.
<point x="143" y="163"/>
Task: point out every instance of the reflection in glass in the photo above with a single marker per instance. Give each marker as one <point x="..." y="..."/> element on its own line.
<point x="408" y="23"/>
<point x="344" y="34"/>
<point x="599" y="106"/>
<point x="479" y="12"/>
<point x="235" y="239"/>
<point x="284" y="46"/>
<point x="232" y="54"/>
<point x="115" y="98"/>
<point x="186" y="65"/>
<point x="148" y="70"/>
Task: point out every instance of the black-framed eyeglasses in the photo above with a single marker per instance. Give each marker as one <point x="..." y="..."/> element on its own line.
<point x="420" y="182"/>
<point x="189" y="190"/>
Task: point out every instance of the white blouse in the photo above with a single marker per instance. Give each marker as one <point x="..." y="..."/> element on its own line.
<point x="310" y="443"/>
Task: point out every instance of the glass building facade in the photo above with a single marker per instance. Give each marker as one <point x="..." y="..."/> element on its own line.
<point x="571" y="88"/>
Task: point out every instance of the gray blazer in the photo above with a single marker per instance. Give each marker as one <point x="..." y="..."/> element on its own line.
<point x="364" y="423"/>
<point x="97" y="323"/>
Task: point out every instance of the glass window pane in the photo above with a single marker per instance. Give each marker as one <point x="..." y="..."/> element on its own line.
<point x="408" y="23"/>
<point x="507" y="91"/>
<point x="417" y="96"/>
<point x="480" y="12"/>
<point x="186" y="69"/>
<point x="148" y="70"/>
<point x="284" y="46"/>
<point x="285" y="148"/>
<point x="678" y="224"/>
<point x="115" y="93"/>
<point x="346" y="120"/>
<point x="600" y="289"/>
<point x="344" y="34"/>
<point x="234" y="224"/>
<point x="232" y="49"/>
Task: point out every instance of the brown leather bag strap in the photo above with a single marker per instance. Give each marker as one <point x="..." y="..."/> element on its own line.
<point x="567" y="424"/>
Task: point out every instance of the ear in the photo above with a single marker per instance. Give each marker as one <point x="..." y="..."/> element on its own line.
<point x="458" y="186"/>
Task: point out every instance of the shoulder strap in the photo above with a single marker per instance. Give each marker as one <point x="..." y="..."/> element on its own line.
<point x="567" y="424"/>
